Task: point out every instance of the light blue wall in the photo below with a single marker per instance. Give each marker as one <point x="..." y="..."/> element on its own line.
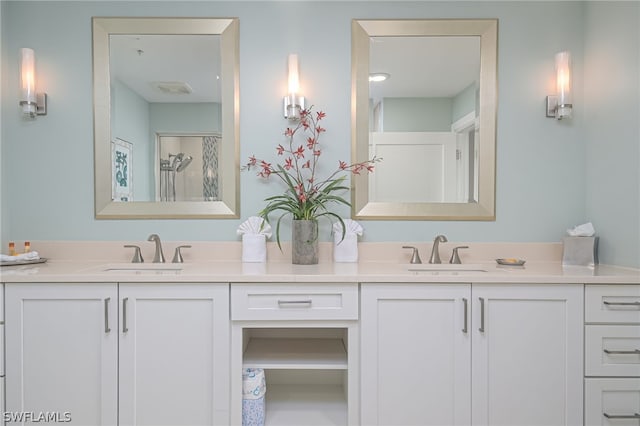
<point x="612" y="113"/>
<point x="4" y="222"/>
<point x="541" y="164"/>
<point x="130" y="122"/>
<point x="464" y="102"/>
<point x="202" y="117"/>
<point x="416" y="114"/>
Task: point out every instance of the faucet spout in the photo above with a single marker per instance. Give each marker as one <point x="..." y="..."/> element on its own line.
<point x="435" y="251"/>
<point x="159" y="256"/>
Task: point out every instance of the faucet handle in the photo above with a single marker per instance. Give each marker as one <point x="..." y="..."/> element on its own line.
<point x="415" y="257"/>
<point x="137" y="255"/>
<point x="177" y="257"/>
<point x="454" y="256"/>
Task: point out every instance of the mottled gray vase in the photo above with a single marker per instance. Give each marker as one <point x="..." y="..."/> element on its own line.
<point x="304" y="250"/>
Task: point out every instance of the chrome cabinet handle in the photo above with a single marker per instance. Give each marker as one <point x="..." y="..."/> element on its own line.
<point x="631" y="352"/>
<point x="466" y="316"/>
<point x="124" y="314"/>
<point x="481" y="329"/>
<point x="285" y="303"/>
<point x="622" y="416"/>
<point x="621" y="303"/>
<point x="107" y="329"/>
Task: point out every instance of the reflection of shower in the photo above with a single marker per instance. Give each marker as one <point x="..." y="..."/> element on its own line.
<point x="168" y="169"/>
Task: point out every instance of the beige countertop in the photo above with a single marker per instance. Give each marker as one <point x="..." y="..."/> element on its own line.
<point x="274" y="272"/>
<point x="82" y="262"/>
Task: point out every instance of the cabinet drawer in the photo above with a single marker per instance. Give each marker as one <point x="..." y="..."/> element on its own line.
<point x="613" y="402"/>
<point x="612" y="303"/>
<point x="294" y="301"/>
<point x="612" y="350"/>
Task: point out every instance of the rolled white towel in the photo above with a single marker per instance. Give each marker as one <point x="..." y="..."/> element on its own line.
<point x="32" y="255"/>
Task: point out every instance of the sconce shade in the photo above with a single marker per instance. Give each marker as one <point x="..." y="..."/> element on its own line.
<point x="563" y="85"/>
<point x="293" y="103"/>
<point x="28" y="81"/>
<point x="32" y="103"/>
<point x="294" y="78"/>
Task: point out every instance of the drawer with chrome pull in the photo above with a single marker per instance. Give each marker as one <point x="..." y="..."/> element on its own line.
<point x="612" y="303"/>
<point x="294" y="301"/>
<point x="612" y="350"/>
<point x="612" y="402"/>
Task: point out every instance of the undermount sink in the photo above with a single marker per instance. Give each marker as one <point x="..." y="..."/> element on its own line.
<point x="446" y="268"/>
<point x="140" y="268"/>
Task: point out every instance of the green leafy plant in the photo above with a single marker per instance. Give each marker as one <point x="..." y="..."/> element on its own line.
<point x="306" y="196"/>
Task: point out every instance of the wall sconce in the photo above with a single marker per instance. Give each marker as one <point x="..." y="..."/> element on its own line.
<point x="559" y="106"/>
<point x="293" y="103"/>
<point x="33" y="104"/>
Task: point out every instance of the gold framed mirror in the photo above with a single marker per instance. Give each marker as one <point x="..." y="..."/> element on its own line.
<point x="154" y="77"/>
<point x="432" y="119"/>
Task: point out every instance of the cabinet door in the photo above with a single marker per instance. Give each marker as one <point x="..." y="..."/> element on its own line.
<point x="527" y="354"/>
<point x="61" y="352"/>
<point x="415" y="364"/>
<point x="174" y="354"/>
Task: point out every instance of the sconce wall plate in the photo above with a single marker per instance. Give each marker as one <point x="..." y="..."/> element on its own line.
<point x="292" y="106"/>
<point x="552" y="105"/>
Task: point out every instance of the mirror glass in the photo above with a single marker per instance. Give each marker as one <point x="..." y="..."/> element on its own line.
<point x="165" y="96"/>
<point x="424" y="102"/>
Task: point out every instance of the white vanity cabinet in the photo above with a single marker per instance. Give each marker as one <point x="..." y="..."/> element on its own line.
<point x="174" y="354"/>
<point x="305" y="337"/>
<point x="612" y="355"/>
<point x="2" y="393"/>
<point x="108" y="354"/>
<point x="62" y="351"/>
<point x="471" y="354"/>
<point x="527" y="352"/>
<point x="416" y="346"/>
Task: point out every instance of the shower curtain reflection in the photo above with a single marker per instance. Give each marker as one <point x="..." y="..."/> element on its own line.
<point x="187" y="168"/>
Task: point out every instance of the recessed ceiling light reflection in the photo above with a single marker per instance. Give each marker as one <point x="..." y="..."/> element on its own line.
<point x="379" y="76"/>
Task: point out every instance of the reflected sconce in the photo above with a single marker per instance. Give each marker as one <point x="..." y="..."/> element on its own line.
<point x="32" y="103"/>
<point x="293" y="102"/>
<point x="559" y="106"/>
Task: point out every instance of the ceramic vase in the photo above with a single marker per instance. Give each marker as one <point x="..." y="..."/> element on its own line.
<point x="304" y="250"/>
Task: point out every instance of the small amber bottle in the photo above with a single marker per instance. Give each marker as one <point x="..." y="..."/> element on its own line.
<point x="12" y="248"/>
<point x="27" y="246"/>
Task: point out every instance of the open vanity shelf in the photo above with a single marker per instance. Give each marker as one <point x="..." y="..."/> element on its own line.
<point x="306" y="373"/>
<point x="302" y="353"/>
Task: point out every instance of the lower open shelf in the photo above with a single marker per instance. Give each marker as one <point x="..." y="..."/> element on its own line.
<point x="306" y="373"/>
<point x="308" y="404"/>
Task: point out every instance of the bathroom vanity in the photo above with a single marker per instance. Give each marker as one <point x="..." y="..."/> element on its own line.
<point x="343" y="344"/>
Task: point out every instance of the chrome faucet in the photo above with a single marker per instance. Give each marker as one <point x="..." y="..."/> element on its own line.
<point x="435" y="251"/>
<point x="159" y="256"/>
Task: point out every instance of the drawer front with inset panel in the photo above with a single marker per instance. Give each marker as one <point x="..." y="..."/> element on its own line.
<point x="297" y="301"/>
<point x="612" y="355"/>
<point x="612" y="402"/>
<point x="612" y="303"/>
<point x="612" y="350"/>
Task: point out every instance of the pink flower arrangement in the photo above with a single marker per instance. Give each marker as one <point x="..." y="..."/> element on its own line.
<point x="306" y="196"/>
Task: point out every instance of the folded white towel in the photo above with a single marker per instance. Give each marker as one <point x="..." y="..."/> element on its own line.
<point x="584" y="230"/>
<point x="255" y="226"/>
<point x="32" y="255"/>
<point x="254" y="248"/>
